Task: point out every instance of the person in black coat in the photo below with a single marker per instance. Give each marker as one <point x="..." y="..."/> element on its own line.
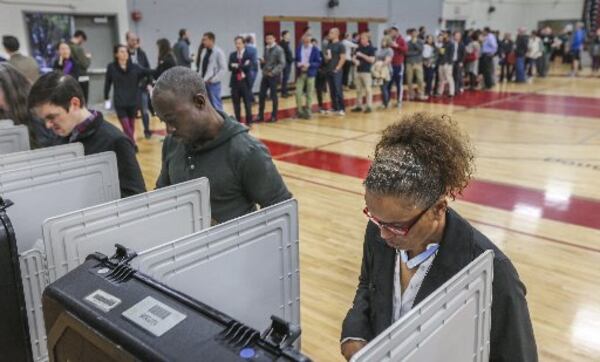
<point x="166" y="58"/>
<point x="413" y="230"/>
<point x="289" y="61"/>
<point x="506" y="50"/>
<point x="125" y="77"/>
<point x="58" y="100"/>
<point x="240" y="66"/>
<point x="458" y="62"/>
<point x="138" y="56"/>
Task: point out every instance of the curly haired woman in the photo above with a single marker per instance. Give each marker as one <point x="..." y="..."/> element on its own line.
<point x="415" y="242"/>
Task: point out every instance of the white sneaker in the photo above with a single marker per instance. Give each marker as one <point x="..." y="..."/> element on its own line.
<point x="341" y="113"/>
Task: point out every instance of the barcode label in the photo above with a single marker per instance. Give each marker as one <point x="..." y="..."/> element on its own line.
<point x="102" y="300"/>
<point x="160" y="312"/>
<point x="153" y="316"/>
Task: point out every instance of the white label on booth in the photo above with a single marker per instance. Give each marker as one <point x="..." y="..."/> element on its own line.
<point x="154" y="316"/>
<point x="102" y="300"/>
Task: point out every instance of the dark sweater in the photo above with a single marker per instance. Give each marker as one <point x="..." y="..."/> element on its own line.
<point x="521" y="45"/>
<point x="101" y="136"/>
<point x="238" y="166"/>
<point x="126" y="83"/>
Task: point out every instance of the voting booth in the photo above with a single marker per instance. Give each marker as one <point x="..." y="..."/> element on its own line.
<point x="140" y="221"/>
<point x="42" y="156"/>
<point x="6" y="123"/>
<point x="14" y="139"/>
<point x="38" y="192"/>
<point x="450" y="325"/>
<point x="107" y="311"/>
<point x="247" y="268"/>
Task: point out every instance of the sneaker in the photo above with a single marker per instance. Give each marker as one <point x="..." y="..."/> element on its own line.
<point x="148" y="135"/>
<point x="368" y="110"/>
<point x="382" y="107"/>
<point x="423" y="98"/>
<point x="322" y="111"/>
<point x="399" y="105"/>
<point x="341" y="113"/>
<point x="356" y="109"/>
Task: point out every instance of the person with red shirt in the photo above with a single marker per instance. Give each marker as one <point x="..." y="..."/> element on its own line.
<point x="400" y="48"/>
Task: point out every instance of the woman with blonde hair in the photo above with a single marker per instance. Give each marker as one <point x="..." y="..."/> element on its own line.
<point x="382" y="70"/>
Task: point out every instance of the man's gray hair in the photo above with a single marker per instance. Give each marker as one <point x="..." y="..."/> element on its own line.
<point x="181" y="81"/>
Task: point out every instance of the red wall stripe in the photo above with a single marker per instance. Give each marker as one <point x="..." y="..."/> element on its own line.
<point x="299" y="29"/>
<point x="363" y="26"/>
<point x="271" y="27"/>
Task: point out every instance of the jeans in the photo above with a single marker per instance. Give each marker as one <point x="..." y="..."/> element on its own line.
<point x="304" y="81"/>
<point x="506" y="70"/>
<point x="385" y="93"/>
<point x="487" y="69"/>
<point x="285" y="78"/>
<point x="214" y="95"/>
<point x="143" y="105"/>
<point x="457" y="73"/>
<point x="240" y="90"/>
<point x="429" y="71"/>
<point x="397" y="80"/>
<point x="268" y="84"/>
<point x="320" y="87"/>
<point x="521" y="70"/>
<point x="336" y="90"/>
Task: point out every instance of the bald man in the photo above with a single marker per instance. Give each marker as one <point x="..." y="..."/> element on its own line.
<point x="205" y="142"/>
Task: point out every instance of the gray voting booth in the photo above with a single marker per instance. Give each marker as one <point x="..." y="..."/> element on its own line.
<point x="24" y="159"/>
<point x="450" y="325"/>
<point x="247" y="268"/>
<point x="140" y="221"/>
<point x="42" y="191"/>
<point x="14" y="139"/>
<point x="6" y="123"/>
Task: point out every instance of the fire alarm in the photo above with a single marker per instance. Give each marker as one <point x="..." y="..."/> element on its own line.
<point x="136" y="15"/>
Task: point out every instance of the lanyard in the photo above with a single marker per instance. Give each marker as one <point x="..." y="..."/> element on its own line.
<point x="419" y="259"/>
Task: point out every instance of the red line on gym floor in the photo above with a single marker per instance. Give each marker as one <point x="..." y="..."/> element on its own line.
<point x="564" y="208"/>
<point x="545" y="238"/>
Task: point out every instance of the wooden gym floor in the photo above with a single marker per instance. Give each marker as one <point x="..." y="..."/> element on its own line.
<point x="536" y="194"/>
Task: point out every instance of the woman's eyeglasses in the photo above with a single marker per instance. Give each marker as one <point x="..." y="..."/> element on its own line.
<point x="393" y="227"/>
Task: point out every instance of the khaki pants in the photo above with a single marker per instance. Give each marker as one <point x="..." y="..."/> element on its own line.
<point x="364" y="86"/>
<point x="446" y="76"/>
<point x="412" y="71"/>
<point x="309" y="82"/>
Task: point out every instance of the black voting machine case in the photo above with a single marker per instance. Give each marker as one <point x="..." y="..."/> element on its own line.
<point x="14" y="333"/>
<point x="106" y="311"/>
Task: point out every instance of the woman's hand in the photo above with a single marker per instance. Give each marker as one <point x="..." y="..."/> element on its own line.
<point x="350" y="347"/>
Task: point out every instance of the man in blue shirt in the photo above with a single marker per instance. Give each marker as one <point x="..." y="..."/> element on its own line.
<point x="577" y="41"/>
<point x="488" y="51"/>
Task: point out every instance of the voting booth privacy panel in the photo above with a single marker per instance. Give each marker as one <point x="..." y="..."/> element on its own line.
<point x="107" y="311"/>
<point x="14" y="139"/>
<point x="6" y="123"/>
<point x="450" y="325"/>
<point x="42" y="156"/>
<point x="141" y="221"/>
<point x="248" y="267"/>
<point x="138" y="222"/>
<point x="38" y="192"/>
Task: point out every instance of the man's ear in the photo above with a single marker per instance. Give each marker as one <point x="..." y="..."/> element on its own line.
<point x="75" y="103"/>
<point x="200" y="101"/>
